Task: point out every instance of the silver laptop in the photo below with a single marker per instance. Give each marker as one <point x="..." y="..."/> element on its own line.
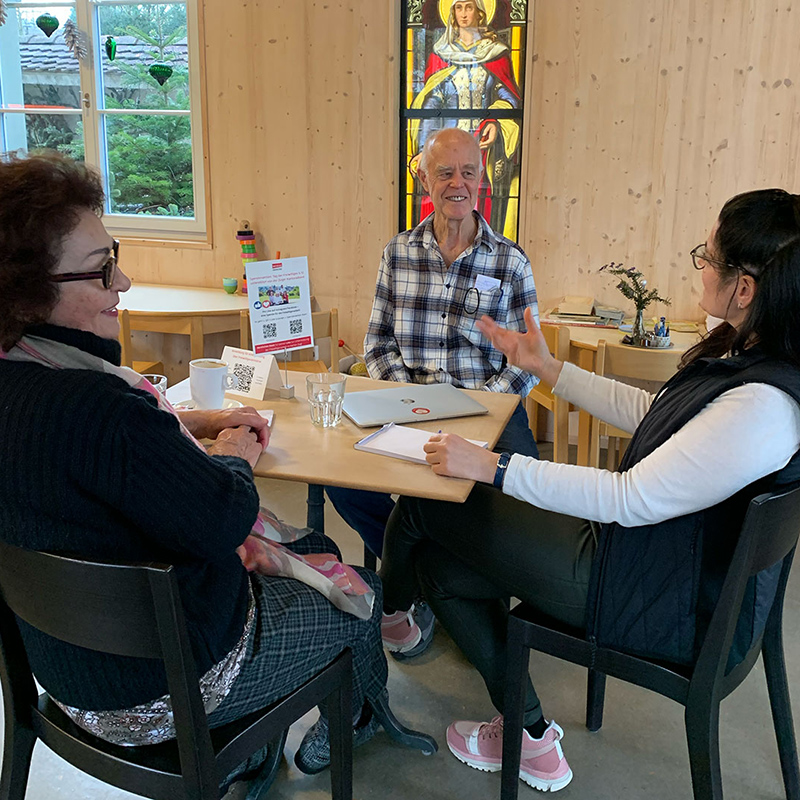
<point x="409" y="404"/>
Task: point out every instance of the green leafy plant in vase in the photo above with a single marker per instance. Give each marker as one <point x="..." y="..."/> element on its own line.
<point x="634" y="288"/>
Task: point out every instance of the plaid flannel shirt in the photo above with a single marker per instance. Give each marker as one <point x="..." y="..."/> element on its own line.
<point x="419" y="330"/>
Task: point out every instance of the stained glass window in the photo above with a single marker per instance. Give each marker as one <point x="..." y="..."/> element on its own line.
<point x="464" y="65"/>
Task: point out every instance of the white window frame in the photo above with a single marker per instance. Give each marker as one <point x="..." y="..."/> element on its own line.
<point x="132" y="226"/>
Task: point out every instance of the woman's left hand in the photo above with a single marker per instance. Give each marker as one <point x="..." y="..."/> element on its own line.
<point x="450" y="454"/>
<point x="208" y="424"/>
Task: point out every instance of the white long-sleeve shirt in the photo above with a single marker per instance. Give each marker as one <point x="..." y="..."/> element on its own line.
<point x="744" y="434"/>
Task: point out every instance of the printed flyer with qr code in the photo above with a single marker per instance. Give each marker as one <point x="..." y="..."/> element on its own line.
<point x="280" y="305"/>
<point x="254" y="374"/>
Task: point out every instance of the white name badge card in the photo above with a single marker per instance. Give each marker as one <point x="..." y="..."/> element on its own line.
<point x="280" y="305"/>
<point x="256" y="374"/>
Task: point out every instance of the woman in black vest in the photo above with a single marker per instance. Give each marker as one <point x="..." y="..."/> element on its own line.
<point x="725" y="428"/>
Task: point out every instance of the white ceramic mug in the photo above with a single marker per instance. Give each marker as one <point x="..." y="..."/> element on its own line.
<point x="209" y="380"/>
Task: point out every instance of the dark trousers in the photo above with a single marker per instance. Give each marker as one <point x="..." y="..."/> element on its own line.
<point x="468" y="559"/>
<point x="368" y="512"/>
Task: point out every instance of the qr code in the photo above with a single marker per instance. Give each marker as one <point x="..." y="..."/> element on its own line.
<point x="269" y="330"/>
<point x="295" y="326"/>
<point x="244" y="372"/>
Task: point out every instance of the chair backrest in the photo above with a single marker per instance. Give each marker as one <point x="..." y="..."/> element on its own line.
<point x="557" y="339"/>
<point x="127" y="610"/>
<point x="643" y="363"/>
<point x="326" y="324"/>
<point x="768" y="536"/>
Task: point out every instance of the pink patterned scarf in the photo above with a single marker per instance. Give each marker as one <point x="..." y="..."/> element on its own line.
<point x="262" y="550"/>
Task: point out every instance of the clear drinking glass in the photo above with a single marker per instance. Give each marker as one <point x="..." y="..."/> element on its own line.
<point x="159" y="381"/>
<point x="325" y="398"/>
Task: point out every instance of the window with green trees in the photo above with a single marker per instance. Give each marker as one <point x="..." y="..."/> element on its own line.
<point x="116" y="83"/>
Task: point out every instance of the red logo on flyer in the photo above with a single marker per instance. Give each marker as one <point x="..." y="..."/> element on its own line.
<point x="421" y="410"/>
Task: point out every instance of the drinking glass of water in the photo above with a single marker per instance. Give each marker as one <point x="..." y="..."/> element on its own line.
<point x="158" y="381"/>
<point x="325" y="398"/>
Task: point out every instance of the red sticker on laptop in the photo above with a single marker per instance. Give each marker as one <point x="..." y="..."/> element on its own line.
<point x="420" y="410"/>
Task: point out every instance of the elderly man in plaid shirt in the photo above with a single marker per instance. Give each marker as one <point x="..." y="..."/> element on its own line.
<point x="434" y="283"/>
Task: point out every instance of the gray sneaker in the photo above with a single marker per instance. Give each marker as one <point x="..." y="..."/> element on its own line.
<point x="314" y="753"/>
<point x="259" y="770"/>
<point x="423" y="616"/>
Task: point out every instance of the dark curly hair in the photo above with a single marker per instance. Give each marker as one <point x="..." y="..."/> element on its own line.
<point x="759" y="235"/>
<point x="41" y="198"/>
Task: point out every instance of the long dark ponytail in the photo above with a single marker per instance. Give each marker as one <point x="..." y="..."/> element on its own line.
<point x="759" y="235"/>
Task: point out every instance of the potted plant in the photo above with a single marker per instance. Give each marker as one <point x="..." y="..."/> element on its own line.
<point x="634" y="287"/>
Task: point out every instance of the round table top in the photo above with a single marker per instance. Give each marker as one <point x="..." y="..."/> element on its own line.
<point x="587" y="337"/>
<point x="148" y="298"/>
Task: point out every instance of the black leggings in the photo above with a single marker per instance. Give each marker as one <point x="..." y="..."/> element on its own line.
<point x="469" y="558"/>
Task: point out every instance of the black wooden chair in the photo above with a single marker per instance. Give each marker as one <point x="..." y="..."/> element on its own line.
<point x="135" y="610"/>
<point x="769" y="535"/>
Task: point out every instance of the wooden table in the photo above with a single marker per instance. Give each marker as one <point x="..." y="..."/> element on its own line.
<point x="583" y="346"/>
<point x="189" y="310"/>
<point x="300" y="451"/>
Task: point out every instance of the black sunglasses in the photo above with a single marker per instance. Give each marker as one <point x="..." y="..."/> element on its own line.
<point x="106" y="273"/>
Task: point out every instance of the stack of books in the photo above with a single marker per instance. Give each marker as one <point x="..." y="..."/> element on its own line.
<point x="582" y="311"/>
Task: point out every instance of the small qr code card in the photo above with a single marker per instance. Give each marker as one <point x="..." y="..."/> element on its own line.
<point x="255" y="374"/>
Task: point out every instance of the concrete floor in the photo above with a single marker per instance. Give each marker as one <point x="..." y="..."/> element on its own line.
<point x="639" y="753"/>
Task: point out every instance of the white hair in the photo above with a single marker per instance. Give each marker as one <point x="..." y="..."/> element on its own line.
<point x="425" y="155"/>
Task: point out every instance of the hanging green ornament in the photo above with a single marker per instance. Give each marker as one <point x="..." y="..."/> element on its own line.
<point x="111" y="48"/>
<point x="48" y="23"/>
<point x="161" y="72"/>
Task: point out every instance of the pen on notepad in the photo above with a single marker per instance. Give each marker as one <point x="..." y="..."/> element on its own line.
<point x="376" y="433"/>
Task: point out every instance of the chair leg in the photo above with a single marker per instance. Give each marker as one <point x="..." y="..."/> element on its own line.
<point x="532" y="407"/>
<point x="611" y="453"/>
<point x="17" y="752"/>
<point x="780" y="703"/>
<point x="702" y="736"/>
<point x="516" y="672"/>
<point x="397" y="731"/>
<point x="315" y="514"/>
<point x="370" y="560"/>
<point x="595" y="699"/>
<point x="340" y="722"/>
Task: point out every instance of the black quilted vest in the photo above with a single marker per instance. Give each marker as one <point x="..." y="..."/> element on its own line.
<point x="654" y="587"/>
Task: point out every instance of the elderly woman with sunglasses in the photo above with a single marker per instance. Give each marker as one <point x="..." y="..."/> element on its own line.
<point x="94" y="462"/>
<point x="562" y="538"/>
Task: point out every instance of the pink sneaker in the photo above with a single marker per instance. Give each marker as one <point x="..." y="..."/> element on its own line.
<point x="480" y="745"/>
<point x="400" y="632"/>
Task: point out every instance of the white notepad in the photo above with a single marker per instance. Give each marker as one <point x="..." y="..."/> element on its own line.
<point x="400" y="442"/>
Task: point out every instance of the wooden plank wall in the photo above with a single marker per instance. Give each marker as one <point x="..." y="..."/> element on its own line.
<point x="643" y="117"/>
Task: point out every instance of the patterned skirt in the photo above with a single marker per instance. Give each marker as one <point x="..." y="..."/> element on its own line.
<point x="298" y="632"/>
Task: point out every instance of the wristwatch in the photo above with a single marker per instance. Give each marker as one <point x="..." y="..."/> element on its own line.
<point x="502" y="466"/>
